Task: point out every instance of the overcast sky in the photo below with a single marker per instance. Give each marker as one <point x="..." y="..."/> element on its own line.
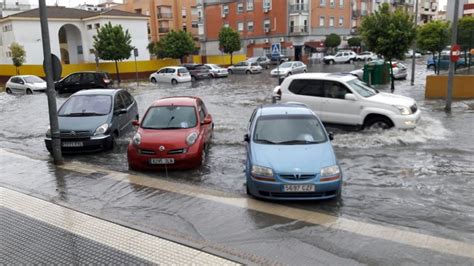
<point x="70" y="3"/>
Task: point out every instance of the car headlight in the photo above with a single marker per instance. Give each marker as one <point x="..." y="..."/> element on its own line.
<point x="191" y="138"/>
<point x="137" y="139"/>
<point x="260" y="171"/>
<point x="330" y="171"/>
<point x="101" y="130"/>
<point x="403" y="109"/>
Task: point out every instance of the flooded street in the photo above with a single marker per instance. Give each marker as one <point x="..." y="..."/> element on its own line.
<point x="420" y="179"/>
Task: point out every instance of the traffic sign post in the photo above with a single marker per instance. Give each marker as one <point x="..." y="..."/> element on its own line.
<point x="276" y="51"/>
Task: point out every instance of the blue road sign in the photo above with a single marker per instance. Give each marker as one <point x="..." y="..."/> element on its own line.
<point x="276" y="49"/>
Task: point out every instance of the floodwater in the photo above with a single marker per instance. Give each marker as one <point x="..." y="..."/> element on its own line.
<point x="421" y="179"/>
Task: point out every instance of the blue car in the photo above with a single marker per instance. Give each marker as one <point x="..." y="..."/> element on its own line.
<point x="432" y="62"/>
<point x="289" y="155"/>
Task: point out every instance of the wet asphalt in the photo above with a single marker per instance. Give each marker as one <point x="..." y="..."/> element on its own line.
<point x="419" y="179"/>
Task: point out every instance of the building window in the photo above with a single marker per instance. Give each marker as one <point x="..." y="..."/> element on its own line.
<point x="341" y="21"/>
<point x="266" y="51"/>
<point x="321" y="21"/>
<point x="194" y="11"/>
<point x="185" y="28"/>
<point x="250" y="26"/>
<point x="249" y="5"/>
<point x="225" y="9"/>
<point x="332" y="3"/>
<point x="89" y="26"/>
<point x="8" y="54"/>
<point x="138" y="10"/>
<point x="226" y="25"/>
<point x="240" y="7"/>
<point x="267" y="4"/>
<point x="331" y="22"/>
<point x="322" y="3"/>
<point x="194" y="24"/>
<point x="240" y="26"/>
<point x="341" y="3"/>
<point x="183" y="12"/>
<point x="266" y="25"/>
<point x="148" y="28"/>
<point x="8" y="27"/>
<point x="79" y="49"/>
<point x="97" y="25"/>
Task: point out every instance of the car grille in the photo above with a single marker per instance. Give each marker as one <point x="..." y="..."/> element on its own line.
<point x="414" y="108"/>
<point x="146" y="152"/>
<point x="297" y="177"/>
<point x="74" y="134"/>
<point x="178" y="151"/>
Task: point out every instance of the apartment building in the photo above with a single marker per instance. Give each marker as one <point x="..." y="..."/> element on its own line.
<point x="427" y="10"/>
<point x="298" y="25"/>
<point x="407" y="5"/>
<point x="166" y="15"/>
<point x="468" y="9"/>
<point x="359" y="10"/>
<point x="450" y="9"/>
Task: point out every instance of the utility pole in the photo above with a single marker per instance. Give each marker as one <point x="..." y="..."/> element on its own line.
<point x="452" y="65"/>
<point x="50" y="91"/>
<point x="414" y="47"/>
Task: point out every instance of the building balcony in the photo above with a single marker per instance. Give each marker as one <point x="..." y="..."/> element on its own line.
<point x="165" y="16"/>
<point x="298" y="30"/>
<point x="162" y="30"/>
<point x="355" y="13"/>
<point x="298" y="8"/>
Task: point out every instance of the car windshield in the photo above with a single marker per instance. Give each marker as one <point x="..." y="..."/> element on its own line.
<point x="286" y="64"/>
<point x="170" y="117"/>
<point x="33" y="79"/>
<point x="362" y="88"/>
<point x="182" y="70"/>
<point x="289" y="130"/>
<point x="86" y="105"/>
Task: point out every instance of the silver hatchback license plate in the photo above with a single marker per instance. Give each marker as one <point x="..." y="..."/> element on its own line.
<point x="72" y="144"/>
<point x="299" y="188"/>
<point x="162" y="161"/>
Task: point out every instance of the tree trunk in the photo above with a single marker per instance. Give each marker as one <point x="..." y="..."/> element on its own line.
<point x="438" y="63"/>
<point x="231" y="59"/>
<point x="392" y="86"/>
<point x="117" y="72"/>
<point x="17" y="70"/>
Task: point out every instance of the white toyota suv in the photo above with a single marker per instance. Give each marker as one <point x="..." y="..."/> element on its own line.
<point x="343" y="99"/>
<point x="340" y="57"/>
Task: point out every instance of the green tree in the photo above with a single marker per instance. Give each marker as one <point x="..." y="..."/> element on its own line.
<point x="388" y="33"/>
<point x="433" y="36"/>
<point x="229" y="40"/>
<point x="466" y="35"/>
<point x="18" y="55"/>
<point x="113" y="43"/>
<point x="332" y="41"/>
<point x="354" y="42"/>
<point x="175" y="44"/>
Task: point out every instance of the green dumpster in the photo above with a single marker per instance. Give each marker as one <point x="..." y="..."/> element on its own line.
<point x="376" y="73"/>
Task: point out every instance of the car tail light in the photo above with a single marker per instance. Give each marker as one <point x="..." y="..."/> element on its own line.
<point x="106" y="80"/>
<point x="394" y="65"/>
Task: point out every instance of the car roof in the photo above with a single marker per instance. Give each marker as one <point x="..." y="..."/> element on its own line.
<point x="175" y="67"/>
<point x="100" y="72"/>
<point x="23" y="76"/>
<point x="110" y="92"/>
<point x="285" y="109"/>
<point x="325" y="76"/>
<point x="176" y="100"/>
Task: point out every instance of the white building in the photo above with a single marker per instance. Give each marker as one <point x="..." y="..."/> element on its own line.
<point x="71" y="33"/>
<point x="10" y="7"/>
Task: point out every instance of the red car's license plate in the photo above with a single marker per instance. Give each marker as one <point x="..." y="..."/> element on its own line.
<point x="162" y="161"/>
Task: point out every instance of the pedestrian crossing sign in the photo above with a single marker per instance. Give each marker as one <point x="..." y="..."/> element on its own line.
<point x="276" y="50"/>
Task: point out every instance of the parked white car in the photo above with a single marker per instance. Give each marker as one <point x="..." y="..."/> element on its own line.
<point x="25" y="84"/>
<point x="366" y="56"/>
<point x="345" y="100"/>
<point x="217" y="71"/>
<point x="289" y="68"/>
<point x="245" y="67"/>
<point x="409" y="54"/>
<point x="340" y="57"/>
<point x="173" y="75"/>
<point x="399" y="71"/>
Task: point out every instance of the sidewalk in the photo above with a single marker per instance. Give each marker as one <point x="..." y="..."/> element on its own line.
<point x="34" y="231"/>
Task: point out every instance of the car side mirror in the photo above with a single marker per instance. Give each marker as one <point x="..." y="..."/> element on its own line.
<point x="246" y="138"/>
<point x="135" y="123"/>
<point x="207" y="120"/>
<point x="350" y="97"/>
<point x="331" y="136"/>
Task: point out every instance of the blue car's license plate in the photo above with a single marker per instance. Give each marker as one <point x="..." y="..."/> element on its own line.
<point x="299" y="188"/>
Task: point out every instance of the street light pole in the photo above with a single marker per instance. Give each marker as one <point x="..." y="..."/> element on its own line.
<point x="50" y="91"/>
<point x="414" y="47"/>
<point x="452" y="65"/>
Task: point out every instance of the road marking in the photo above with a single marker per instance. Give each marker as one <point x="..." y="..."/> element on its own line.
<point x="401" y="236"/>
<point x="138" y="244"/>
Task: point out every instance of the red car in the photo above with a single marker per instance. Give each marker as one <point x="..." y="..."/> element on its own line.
<point x="174" y="133"/>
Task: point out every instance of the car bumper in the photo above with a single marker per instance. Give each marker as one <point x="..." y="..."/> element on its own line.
<point x="254" y="71"/>
<point x="221" y="74"/>
<point x="183" y="79"/>
<point x="189" y="160"/>
<point x="92" y="144"/>
<point x="274" y="190"/>
<point x="407" y="121"/>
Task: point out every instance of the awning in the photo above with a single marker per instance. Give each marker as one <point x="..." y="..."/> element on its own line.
<point x="315" y="45"/>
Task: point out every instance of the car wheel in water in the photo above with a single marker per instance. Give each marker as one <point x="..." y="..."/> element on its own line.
<point x="331" y="62"/>
<point x="174" y="82"/>
<point x="193" y="78"/>
<point x="28" y="91"/>
<point x="304" y="71"/>
<point x="230" y="71"/>
<point x="203" y="155"/>
<point x="153" y="80"/>
<point x="113" y="141"/>
<point x="8" y="91"/>
<point x="378" y="123"/>
<point x="369" y="59"/>
<point x="247" y="72"/>
<point x="289" y="74"/>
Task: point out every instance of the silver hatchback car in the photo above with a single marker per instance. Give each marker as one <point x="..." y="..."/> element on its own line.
<point x="25" y="84"/>
<point x="245" y="67"/>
